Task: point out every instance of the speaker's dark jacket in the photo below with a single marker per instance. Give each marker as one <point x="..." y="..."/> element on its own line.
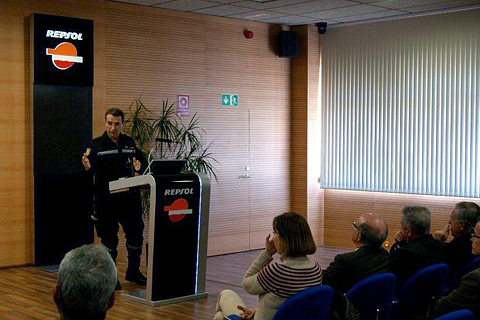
<point x="406" y="258"/>
<point x="349" y="268"/>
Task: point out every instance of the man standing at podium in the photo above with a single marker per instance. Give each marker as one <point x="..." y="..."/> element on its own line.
<point x="111" y="156"/>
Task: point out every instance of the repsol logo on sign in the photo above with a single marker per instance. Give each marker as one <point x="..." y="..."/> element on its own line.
<point x="63" y="35"/>
<point x="63" y="50"/>
<point x="175" y="192"/>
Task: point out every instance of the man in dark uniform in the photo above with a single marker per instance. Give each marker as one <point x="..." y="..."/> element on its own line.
<point x="111" y="156"/>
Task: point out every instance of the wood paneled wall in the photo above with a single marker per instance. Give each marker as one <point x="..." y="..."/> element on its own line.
<point x="16" y="181"/>
<point x="155" y="54"/>
<point x="343" y="207"/>
<point x="307" y="197"/>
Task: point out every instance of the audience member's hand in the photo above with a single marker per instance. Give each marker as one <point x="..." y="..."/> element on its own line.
<point x="246" y="313"/>
<point x="442" y="235"/>
<point x="136" y="164"/>
<point x="270" y="246"/>
<point x="86" y="161"/>
<point x="399" y="236"/>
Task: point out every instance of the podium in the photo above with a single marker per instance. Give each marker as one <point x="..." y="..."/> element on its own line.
<point x="178" y="231"/>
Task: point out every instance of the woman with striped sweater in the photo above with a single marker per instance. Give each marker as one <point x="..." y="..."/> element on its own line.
<point x="275" y="282"/>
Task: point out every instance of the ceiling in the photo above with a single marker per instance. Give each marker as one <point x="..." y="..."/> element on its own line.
<point x="300" y="12"/>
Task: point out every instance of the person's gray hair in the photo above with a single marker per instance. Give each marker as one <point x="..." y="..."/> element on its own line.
<point x="372" y="235"/>
<point x="86" y="280"/>
<point x="417" y="219"/>
<point x="468" y="214"/>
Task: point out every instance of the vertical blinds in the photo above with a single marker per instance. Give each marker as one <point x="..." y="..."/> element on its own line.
<point x="401" y="107"/>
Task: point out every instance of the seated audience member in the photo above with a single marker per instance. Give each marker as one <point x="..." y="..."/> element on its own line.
<point x="369" y="258"/>
<point x="369" y="232"/>
<point x="276" y="282"/>
<point x="467" y="295"/>
<point x="86" y="283"/>
<point x="461" y="224"/>
<point x="415" y="247"/>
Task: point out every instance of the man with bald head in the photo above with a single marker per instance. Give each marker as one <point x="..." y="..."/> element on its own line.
<point x="369" y="232"/>
<point x="369" y="258"/>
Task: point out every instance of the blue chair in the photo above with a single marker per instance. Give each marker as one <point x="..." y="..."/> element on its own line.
<point x="310" y="304"/>
<point x="466" y="268"/>
<point x="373" y="296"/>
<point x="418" y="295"/>
<point x="458" y="315"/>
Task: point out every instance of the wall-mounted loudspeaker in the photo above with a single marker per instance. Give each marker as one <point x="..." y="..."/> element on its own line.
<point x="288" y="44"/>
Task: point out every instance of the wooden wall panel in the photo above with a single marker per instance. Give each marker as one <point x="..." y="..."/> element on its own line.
<point x="307" y="197"/>
<point x="156" y="54"/>
<point x="16" y="183"/>
<point x="343" y="207"/>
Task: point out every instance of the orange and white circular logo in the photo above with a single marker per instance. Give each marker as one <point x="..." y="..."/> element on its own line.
<point x="64" y="55"/>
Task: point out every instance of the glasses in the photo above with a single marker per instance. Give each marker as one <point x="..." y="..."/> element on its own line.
<point x="473" y="235"/>
<point x="355" y="226"/>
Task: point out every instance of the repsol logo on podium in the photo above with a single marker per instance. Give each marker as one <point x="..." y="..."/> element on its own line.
<point x="175" y="192"/>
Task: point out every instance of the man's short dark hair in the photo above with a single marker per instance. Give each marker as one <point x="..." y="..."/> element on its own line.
<point x="468" y="214"/>
<point x="372" y="235"/>
<point x="295" y="234"/>
<point x="417" y="219"/>
<point x="86" y="283"/>
<point x="115" y="112"/>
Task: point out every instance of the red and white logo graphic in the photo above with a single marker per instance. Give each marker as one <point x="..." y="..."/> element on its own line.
<point x="178" y="210"/>
<point x="64" y="55"/>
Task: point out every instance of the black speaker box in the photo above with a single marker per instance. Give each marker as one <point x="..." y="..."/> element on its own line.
<point x="288" y="44"/>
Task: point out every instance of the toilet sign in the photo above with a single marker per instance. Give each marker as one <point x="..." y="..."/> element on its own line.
<point x="229" y="100"/>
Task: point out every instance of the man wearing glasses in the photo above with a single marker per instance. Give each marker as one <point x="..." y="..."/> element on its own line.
<point x="467" y="295"/>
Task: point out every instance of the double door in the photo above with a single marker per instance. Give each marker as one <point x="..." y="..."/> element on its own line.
<point x="253" y="154"/>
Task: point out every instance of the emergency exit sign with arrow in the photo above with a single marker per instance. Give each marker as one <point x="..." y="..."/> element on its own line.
<point x="229" y="100"/>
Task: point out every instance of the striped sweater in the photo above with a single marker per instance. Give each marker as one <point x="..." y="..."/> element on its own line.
<point x="276" y="282"/>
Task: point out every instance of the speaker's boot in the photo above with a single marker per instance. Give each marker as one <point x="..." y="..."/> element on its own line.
<point x="133" y="273"/>
<point x="118" y="286"/>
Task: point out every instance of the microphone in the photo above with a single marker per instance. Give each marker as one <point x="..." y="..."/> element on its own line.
<point x="164" y="140"/>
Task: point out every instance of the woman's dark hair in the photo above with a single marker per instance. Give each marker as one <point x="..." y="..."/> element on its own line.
<point x="295" y="234"/>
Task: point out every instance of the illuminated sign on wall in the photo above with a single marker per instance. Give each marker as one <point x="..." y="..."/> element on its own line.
<point x="63" y="50"/>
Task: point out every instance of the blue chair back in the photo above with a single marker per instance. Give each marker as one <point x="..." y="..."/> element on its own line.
<point x="419" y="293"/>
<point x="466" y="268"/>
<point x="310" y="304"/>
<point x="458" y="315"/>
<point x="373" y="296"/>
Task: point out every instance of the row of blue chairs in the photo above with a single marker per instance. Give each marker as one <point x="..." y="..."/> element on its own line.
<point x="374" y="296"/>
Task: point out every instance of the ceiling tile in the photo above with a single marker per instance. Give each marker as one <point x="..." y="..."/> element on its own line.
<point x="400" y="4"/>
<point x="291" y="20"/>
<point x="225" y="1"/>
<point x="143" y="2"/>
<point x="223" y="10"/>
<point x="257" y="15"/>
<point x="370" y="16"/>
<point x="267" y="5"/>
<point x="443" y="5"/>
<point x="313" y="6"/>
<point x="344" y="12"/>
<point x="187" y="5"/>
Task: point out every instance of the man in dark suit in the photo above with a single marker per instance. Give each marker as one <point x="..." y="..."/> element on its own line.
<point x="461" y="224"/>
<point x="415" y="247"/>
<point x="466" y="296"/>
<point x="369" y="258"/>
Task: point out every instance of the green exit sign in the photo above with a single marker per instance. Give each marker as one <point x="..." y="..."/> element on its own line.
<point x="229" y="100"/>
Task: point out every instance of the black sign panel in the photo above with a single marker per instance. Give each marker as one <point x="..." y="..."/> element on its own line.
<point x="63" y="50"/>
<point x="177" y="220"/>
